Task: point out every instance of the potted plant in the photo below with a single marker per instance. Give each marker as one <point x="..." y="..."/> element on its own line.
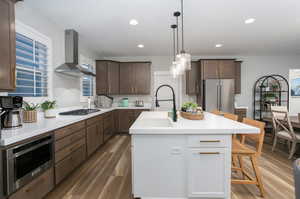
<point x="49" y="108"/>
<point x="189" y="107"/>
<point x="30" y="112"/>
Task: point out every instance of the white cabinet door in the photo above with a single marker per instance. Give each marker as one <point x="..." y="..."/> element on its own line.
<point x="208" y="173"/>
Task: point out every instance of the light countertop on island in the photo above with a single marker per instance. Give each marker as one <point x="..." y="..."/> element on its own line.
<point x="147" y="123"/>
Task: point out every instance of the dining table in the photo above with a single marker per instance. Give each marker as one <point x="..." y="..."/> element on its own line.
<point x="294" y="121"/>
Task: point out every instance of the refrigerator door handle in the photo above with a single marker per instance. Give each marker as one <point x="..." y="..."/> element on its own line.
<point x="220" y="94"/>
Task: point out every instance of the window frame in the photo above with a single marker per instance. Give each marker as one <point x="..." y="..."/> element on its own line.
<point x="28" y="31"/>
<point x="90" y="61"/>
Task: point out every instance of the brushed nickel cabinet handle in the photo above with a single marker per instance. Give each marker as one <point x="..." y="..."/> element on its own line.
<point x="209" y="153"/>
<point x="210" y="141"/>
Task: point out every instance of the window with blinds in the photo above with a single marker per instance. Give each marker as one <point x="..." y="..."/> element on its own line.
<point x="87" y="83"/>
<point x="32" y="65"/>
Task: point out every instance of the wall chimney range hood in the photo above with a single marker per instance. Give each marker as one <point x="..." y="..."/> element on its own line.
<point x="71" y="66"/>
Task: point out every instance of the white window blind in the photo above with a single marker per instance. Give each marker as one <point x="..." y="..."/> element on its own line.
<point x="32" y="67"/>
<point x="87" y="83"/>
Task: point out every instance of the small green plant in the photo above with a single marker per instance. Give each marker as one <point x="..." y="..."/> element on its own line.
<point x="30" y="107"/>
<point x="47" y="105"/>
<point x="189" y="105"/>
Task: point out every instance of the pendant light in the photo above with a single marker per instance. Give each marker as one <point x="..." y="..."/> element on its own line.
<point x="174" y="69"/>
<point x="183" y="58"/>
<point x="180" y="67"/>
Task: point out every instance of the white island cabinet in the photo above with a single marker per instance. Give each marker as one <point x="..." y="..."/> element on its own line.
<point x="186" y="159"/>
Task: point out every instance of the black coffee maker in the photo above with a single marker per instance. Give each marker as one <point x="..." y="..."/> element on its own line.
<point x="11" y="111"/>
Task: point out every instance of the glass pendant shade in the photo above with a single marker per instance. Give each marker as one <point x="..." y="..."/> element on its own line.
<point x="185" y="61"/>
<point x="174" y="69"/>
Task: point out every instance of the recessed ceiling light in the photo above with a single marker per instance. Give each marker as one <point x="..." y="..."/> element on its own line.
<point x="219" y="45"/>
<point x="141" y="46"/>
<point x="133" y="22"/>
<point x="250" y="20"/>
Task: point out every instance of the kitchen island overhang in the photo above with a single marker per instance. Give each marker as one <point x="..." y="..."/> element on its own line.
<point x="187" y="159"/>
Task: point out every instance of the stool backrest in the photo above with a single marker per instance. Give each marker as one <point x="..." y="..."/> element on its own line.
<point x="231" y="116"/>
<point x="216" y="112"/>
<point x="257" y="138"/>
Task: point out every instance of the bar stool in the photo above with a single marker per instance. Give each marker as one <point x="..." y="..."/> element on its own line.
<point x="240" y="150"/>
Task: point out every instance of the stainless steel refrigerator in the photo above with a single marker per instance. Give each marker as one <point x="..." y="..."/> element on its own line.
<point x="219" y="94"/>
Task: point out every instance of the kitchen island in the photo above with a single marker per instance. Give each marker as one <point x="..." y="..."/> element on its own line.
<point x="186" y="159"/>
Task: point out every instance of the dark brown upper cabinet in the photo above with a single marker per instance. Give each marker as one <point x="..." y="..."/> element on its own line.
<point x="142" y="78"/>
<point x="135" y="77"/>
<point x="210" y="69"/>
<point x="237" y="82"/>
<point x="7" y="46"/>
<point x="107" y="77"/>
<point x="227" y="69"/>
<point x="193" y="79"/>
<point x="127" y="78"/>
<point x="218" y="69"/>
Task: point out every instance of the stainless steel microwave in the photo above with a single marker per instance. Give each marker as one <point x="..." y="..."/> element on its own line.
<point x="24" y="162"/>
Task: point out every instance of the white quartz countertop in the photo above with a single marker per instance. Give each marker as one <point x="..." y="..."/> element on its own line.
<point x="43" y="125"/>
<point x="159" y="123"/>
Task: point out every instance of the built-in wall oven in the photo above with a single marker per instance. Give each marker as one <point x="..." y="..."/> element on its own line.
<point x="26" y="161"/>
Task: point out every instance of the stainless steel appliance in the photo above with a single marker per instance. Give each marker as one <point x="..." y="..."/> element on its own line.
<point x="26" y="161"/>
<point x="11" y="118"/>
<point x="104" y="101"/>
<point x="71" y="66"/>
<point x="219" y="94"/>
<point x="80" y="112"/>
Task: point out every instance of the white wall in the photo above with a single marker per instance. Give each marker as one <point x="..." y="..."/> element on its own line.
<point x="294" y="101"/>
<point x="66" y="90"/>
<point x="253" y="67"/>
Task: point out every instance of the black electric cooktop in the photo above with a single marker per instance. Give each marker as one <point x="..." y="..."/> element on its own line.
<point x="80" y="112"/>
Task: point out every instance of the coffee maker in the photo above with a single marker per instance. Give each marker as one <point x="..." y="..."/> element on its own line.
<point x="11" y="111"/>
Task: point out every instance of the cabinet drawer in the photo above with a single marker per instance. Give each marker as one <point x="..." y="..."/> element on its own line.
<point x="208" y="141"/>
<point x="68" y="150"/>
<point x="66" y="166"/>
<point x="93" y="120"/>
<point x="37" y="188"/>
<point x="69" y="139"/>
<point x="63" y="132"/>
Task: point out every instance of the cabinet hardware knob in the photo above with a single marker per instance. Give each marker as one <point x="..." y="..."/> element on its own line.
<point x="210" y="140"/>
<point x="209" y="153"/>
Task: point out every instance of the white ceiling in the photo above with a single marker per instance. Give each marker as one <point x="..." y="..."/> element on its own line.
<point x="104" y="25"/>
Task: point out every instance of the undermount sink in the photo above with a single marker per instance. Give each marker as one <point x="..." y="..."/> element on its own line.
<point x="156" y="123"/>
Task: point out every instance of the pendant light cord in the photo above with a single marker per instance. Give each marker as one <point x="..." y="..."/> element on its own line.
<point x="182" y="39"/>
<point x="177" y="35"/>
<point x="174" y="46"/>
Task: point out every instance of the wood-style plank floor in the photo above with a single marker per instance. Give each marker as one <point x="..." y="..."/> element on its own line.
<point x="107" y="175"/>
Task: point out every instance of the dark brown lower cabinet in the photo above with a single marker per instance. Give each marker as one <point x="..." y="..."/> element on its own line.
<point x="71" y="162"/>
<point x="108" y="125"/>
<point x="127" y="118"/>
<point x="94" y="134"/>
<point x="37" y="188"/>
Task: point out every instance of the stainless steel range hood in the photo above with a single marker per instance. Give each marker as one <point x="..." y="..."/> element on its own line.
<point x="71" y="67"/>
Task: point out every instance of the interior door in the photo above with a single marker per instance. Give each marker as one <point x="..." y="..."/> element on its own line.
<point x="227" y="95"/>
<point x="211" y="97"/>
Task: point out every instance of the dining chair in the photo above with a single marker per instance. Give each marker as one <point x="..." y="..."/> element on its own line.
<point x="284" y="130"/>
<point x="240" y="150"/>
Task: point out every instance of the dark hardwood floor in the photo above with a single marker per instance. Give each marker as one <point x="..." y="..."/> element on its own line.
<point x="107" y="175"/>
